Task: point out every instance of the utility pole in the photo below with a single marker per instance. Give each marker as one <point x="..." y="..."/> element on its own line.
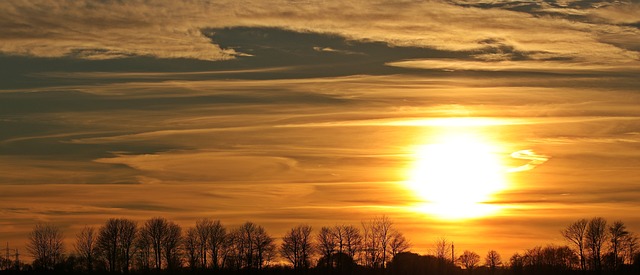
<point x="453" y="254"/>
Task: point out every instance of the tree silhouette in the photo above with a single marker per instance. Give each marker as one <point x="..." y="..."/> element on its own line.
<point x="216" y="240"/>
<point x="115" y="241"/>
<point x="118" y="247"/>
<point x="398" y="243"/>
<point x="297" y="246"/>
<point x="469" y="259"/>
<point x="630" y="244"/>
<point x="384" y="228"/>
<point x="492" y="260"/>
<point x="617" y="233"/>
<point x="576" y="234"/>
<point x="595" y="236"/>
<point x="144" y="250"/>
<point x="86" y="247"/>
<point x="154" y="231"/>
<point x="250" y="246"/>
<point x="203" y="229"/>
<point x="45" y="244"/>
<point x="264" y="247"/>
<point x="442" y="248"/>
<point x="376" y="237"/>
<point x="171" y="245"/>
<point x="192" y="248"/>
<point x="326" y="245"/>
<point x="352" y="240"/>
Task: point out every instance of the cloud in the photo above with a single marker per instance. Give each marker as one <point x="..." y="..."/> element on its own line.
<point x="168" y="29"/>
<point x="332" y="50"/>
<point x="534" y="159"/>
<point x="518" y="66"/>
<point x="628" y="13"/>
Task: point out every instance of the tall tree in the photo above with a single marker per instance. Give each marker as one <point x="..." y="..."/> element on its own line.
<point x="216" y="241"/>
<point x="251" y="246"/>
<point x="352" y="240"/>
<point x="264" y="247"/>
<point x="442" y="249"/>
<point x="617" y="233"/>
<point x="144" y="251"/>
<point x="86" y="247"/>
<point x="595" y="236"/>
<point x="575" y="233"/>
<point x="297" y="247"/>
<point x="376" y="237"/>
<point x="384" y="229"/>
<point x="128" y="233"/>
<point x="492" y="260"/>
<point x="115" y="241"/>
<point x="469" y="259"/>
<point x="155" y="231"/>
<point x="398" y="243"/>
<point x="192" y="248"/>
<point x="171" y="246"/>
<point x="203" y="228"/>
<point x="45" y="244"/>
<point x="630" y="244"/>
<point x="326" y="245"/>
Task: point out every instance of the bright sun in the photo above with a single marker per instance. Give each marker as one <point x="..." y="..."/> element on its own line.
<point x="456" y="175"/>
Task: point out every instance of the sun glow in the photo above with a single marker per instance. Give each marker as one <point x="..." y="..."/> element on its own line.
<point x="456" y="176"/>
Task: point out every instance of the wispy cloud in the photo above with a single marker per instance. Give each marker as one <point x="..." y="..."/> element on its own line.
<point x="533" y="158"/>
<point x="99" y="30"/>
<point x="630" y="65"/>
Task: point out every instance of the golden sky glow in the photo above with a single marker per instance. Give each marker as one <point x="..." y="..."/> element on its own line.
<point x="475" y="120"/>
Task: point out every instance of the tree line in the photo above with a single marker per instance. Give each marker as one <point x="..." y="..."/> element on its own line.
<point x="159" y="245"/>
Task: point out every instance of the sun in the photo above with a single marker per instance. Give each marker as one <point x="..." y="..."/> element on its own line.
<point x="456" y="176"/>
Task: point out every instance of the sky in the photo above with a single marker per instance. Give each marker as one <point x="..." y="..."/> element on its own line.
<point x="321" y="112"/>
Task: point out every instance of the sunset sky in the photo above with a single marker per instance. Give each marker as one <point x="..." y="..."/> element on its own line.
<point x="492" y="123"/>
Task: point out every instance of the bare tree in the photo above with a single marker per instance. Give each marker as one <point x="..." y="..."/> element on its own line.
<point x="128" y="233"/>
<point x="576" y="233"/>
<point x="376" y="237"/>
<point x="192" y="248"/>
<point x="249" y="246"/>
<point x="384" y="228"/>
<point x="595" y="236"/>
<point x="352" y="240"/>
<point x="398" y="243"/>
<point x="442" y="248"/>
<point x="144" y="251"/>
<point x="338" y="235"/>
<point x="617" y="233"/>
<point x="326" y="244"/>
<point x="216" y="241"/>
<point x="264" y="247"/>
<point x="171" y="245"/>
<point x="115" y="240"/>
<point x="630" y="244"/>
<point x="297" y="246"/>
<point x="203" y="228"/>
<point x="558" y="258"/>
<point x="108" y="243"/>
<point x="155" y="231"/>
<point x="469" y="259"/>
<point x="46" y="245"/>
<point x="86" y="246"/>
<point x="493" y="260"/>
